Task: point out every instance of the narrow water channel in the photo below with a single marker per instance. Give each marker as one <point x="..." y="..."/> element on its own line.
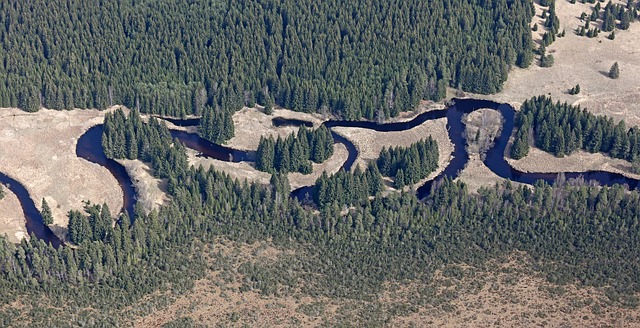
<point x="89" y="147"/>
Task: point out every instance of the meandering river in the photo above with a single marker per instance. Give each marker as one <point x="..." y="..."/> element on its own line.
<point x="89" y="147"/>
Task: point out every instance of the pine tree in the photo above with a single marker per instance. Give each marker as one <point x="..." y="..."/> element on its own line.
<point x="520" y="147"/>
<point x="614" y="72"/>
<point x="47" y="216"/>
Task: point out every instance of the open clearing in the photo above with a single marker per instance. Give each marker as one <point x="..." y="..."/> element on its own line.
<point x="251" y="123"/>
<point x="585" y="61"/>
<point x="39" y="151"/>
<point x="244" y="170"/>
<point x="369" y="143"/>
<point x="12" y="221"/>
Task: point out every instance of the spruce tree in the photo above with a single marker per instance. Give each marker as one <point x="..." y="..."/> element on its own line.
<point x="47" y="217"/>
<point x="614" y="72"/>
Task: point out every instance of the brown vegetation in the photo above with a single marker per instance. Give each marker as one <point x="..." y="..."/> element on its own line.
<point x="39" y="151"/>
<point x="12" y="221"/>
<point x="580" y="161"/>
<point x="482" y="128"/>
<point x="252" y="123"/>
<point x="369" y="143"/>
<point x="504" y="293"/>
<point x="585" y="61"/>
<point x="151" y="192"/>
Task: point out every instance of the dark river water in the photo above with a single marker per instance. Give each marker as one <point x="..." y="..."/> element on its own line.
<point x="89" y="147"/>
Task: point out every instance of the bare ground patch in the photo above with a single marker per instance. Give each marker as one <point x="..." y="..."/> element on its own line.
<point x="150" y="191"/>
<point x="369" y="143"/>
<point x="38" y="150"/>
<point x="12" y="220"/>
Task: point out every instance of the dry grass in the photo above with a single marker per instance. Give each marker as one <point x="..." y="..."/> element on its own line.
<point x="423" y="107"/>
<point x="369" y="143"/>
<point x="511" y="294"/>
<point x="585" y="61"/>
<point x="482" y="128"/>
<point x="240" y="171"/>
<point x="331" y="166"/>
<point x="150" y="191"/>
<point x="504" y="293"/>
<point x="580" y="161"/>
<point x="12" y="221"/>
<point x="244" y="170"/>
<point x="38" y="150"/>
<point x="251" y="123"/>
<point x="475" y="174"/>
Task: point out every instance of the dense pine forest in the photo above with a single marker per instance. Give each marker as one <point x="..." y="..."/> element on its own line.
<point x="177" y="57"/>
<point x="561" y="129"/>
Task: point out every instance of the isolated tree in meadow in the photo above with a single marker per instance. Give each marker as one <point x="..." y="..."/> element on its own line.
<point x="575" y="90"/>
<point x="614" y="72"/>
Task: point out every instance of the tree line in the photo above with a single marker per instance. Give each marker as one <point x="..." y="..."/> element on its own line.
<point x="560" y="128"/>
<point x="294" y="153"/>
<point x="171" y="57"/>
<point x="574" y="233"/>
<point x="408" y="165"/>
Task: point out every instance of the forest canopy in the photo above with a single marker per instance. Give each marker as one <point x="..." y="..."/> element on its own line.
<point x="175" y="57"/>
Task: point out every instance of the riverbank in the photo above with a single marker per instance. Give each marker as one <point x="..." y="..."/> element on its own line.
<point x="39" y="151"/>
<point x="12" y="220"/>
<point x="252" y="123"/>
<point x="369" y="143"/>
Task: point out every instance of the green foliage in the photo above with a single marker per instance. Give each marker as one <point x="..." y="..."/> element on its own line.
<point x="411" y="164"/>
<point x="152" y="143"/>
<point x="345" y="188"/>
<point x="520" y="147"/>
<point x="172" y="57"/>
<point x="561" y="129"/>
<point x="575" y="90"/>
<point x="342" y="253"/>
<point x="216" y="125"/>
<point x="614" y="71"/>
<point x="47" y="217"/>
<point x="546" y="60"/>
<point x="1" y="191"/>
<point x="293" y="153"/>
